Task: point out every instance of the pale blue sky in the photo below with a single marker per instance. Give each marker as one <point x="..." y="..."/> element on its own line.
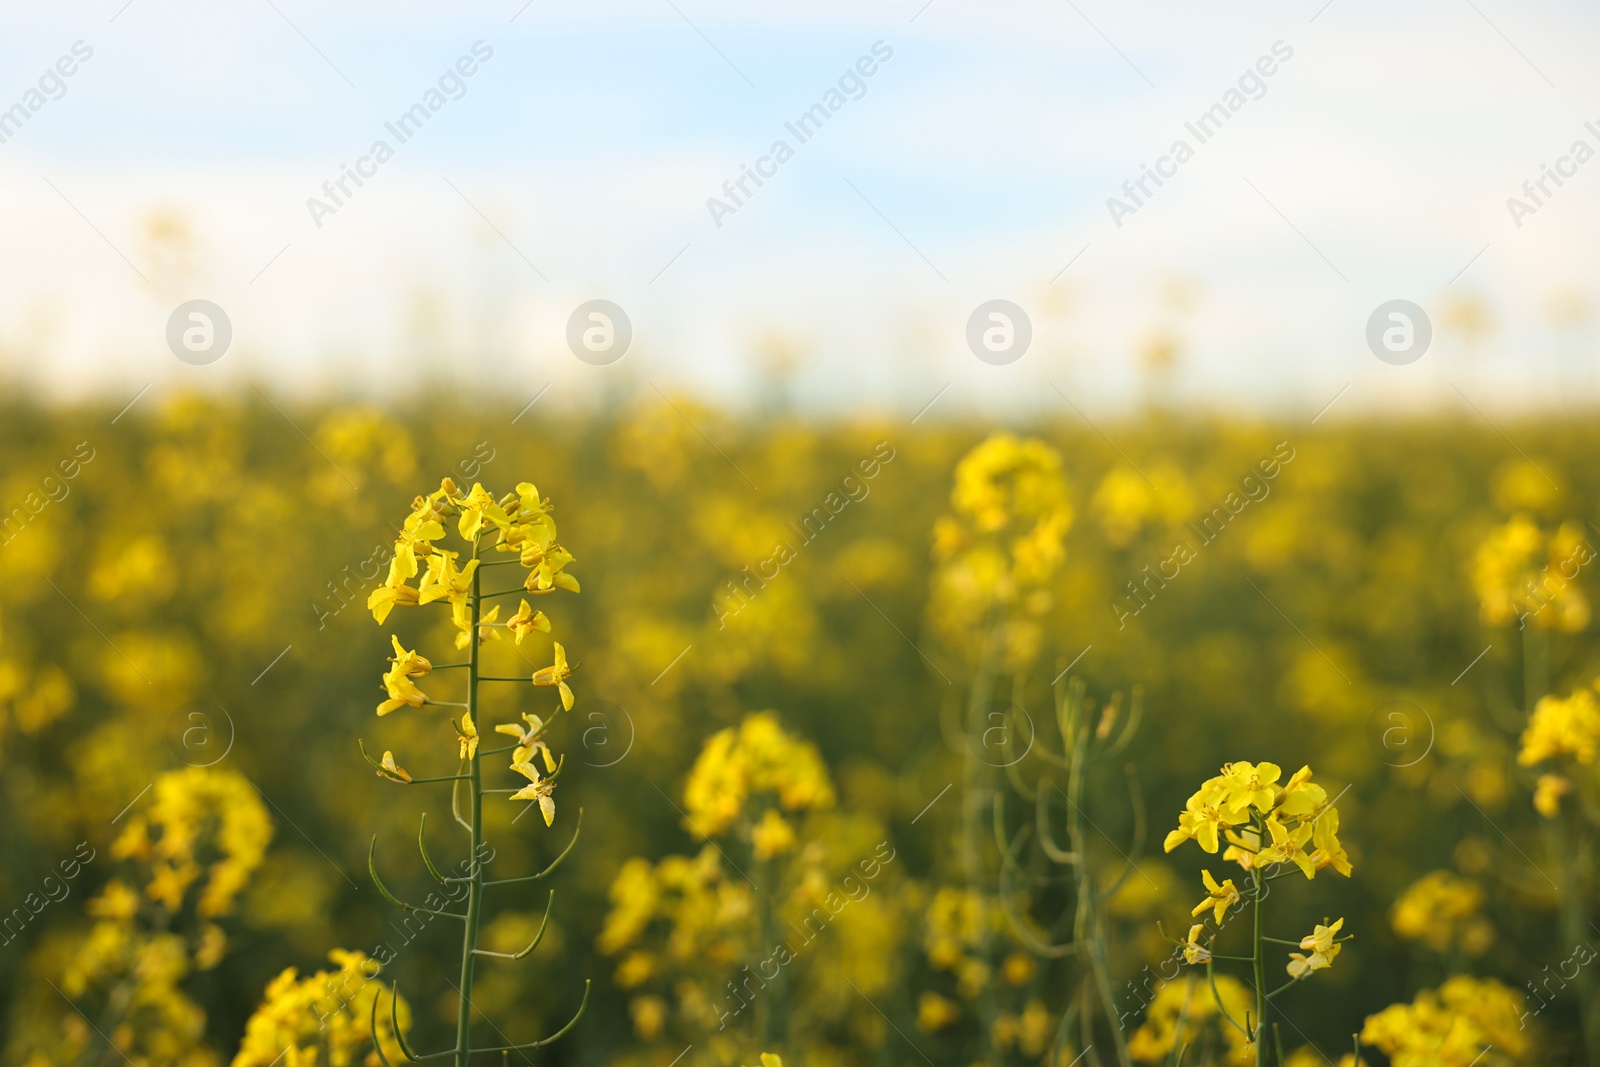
<point x="976" y="165"/>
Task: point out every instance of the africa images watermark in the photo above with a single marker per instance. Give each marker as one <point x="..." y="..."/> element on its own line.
<point x="811" y="927"/>
<point x="1202" y="129"/>
<point x="404" y="127"/>
<point x="804" y="127"/>
<point x="52" y="85"/>
<point x="55" y="889"/>
<point x="55" y="491"/>
<point x="1254" y="489"/>
<point x="1537" y="190"/>
<point x="741" y="592"/>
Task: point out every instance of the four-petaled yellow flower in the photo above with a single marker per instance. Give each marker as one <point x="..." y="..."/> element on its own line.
<point x="528" y="741"/>
<point x="1288" y="846"/>
<point x="538" y="788"/>
<point x="1250" y="785"/>
<point x="1219" y="898"/>
<point x="1203" y="814"/>
<point x="469" y="736"/>
<point x="557" y="675"/>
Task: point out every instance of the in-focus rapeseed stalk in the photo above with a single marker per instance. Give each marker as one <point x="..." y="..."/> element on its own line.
<point x="1273" y="831"/>
<point x="517" y="525"/>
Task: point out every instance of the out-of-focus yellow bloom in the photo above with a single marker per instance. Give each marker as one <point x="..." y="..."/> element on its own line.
<point x="772" y="835"/>
<point x="957" y="920"/>
<point x="1521" y="573"/>
<point x="1219" y="898"/>
<point x="1125" y="503"/>
<point x="649" y="1016"/>
<point x="755" y="757"/>
<point x="1547" y="794"/>
<point x="117" y="900"/>
<point x="1451" y="1026"/>
<point x="199" y="811"/>
<point x="934" y="1012"/>
<point x="1000" y="546"/>
<point x="1444" y="912"/>
<point x="1562" y="726"/>
<point x="557" y="675"/>
<point x="1018" y="969"/>
<point x="1197" y="1005"/>
<point x="635" y="969"/>
<point x="322" y="1019"/>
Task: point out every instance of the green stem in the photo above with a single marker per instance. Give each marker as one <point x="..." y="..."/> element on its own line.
<point x="469" y="939"/>
<point x="1260" y="958"/>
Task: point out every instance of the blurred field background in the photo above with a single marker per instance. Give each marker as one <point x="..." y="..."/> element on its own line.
<point x="216" y="549"/>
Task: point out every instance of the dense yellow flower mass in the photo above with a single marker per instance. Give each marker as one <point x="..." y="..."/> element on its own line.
<point x="1301" y="824"/>
<point x="1202" y="1009"/>
<point x="1444" y="911"/>
<point x="1000" y="546"/>
<point x="745" y="761"/>
<point x="193" y="812"/>
<point x="1463" y="1022"/>
<point x="1562" y="726"/>
<point x="324" y="1019"/>
<point x="1521" y="573"/>
<point x="182" y="562"/>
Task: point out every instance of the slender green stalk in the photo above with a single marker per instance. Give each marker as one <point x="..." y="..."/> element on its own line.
<point x="1260" y="959"/>
<point x="469" y="939"/>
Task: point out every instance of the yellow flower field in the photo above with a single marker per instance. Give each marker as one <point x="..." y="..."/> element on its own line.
<point x="1194" y="742"/>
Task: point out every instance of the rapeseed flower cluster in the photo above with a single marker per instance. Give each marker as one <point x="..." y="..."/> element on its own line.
<point x="754" y="760"/>
<point x="1464" y="1021"/>
<point x="1563" y="734"/>
<point x="1444" y="911"/>
<point x="1000" y="546"/>
<point x="150" y="931"/>
<point x="324" y="1019"/>
<point x="1522" y="573"/>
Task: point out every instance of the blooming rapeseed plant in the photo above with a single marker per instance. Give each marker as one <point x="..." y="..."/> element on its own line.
<point x="516" y="529"/>
<point x="1273" y="831"/>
